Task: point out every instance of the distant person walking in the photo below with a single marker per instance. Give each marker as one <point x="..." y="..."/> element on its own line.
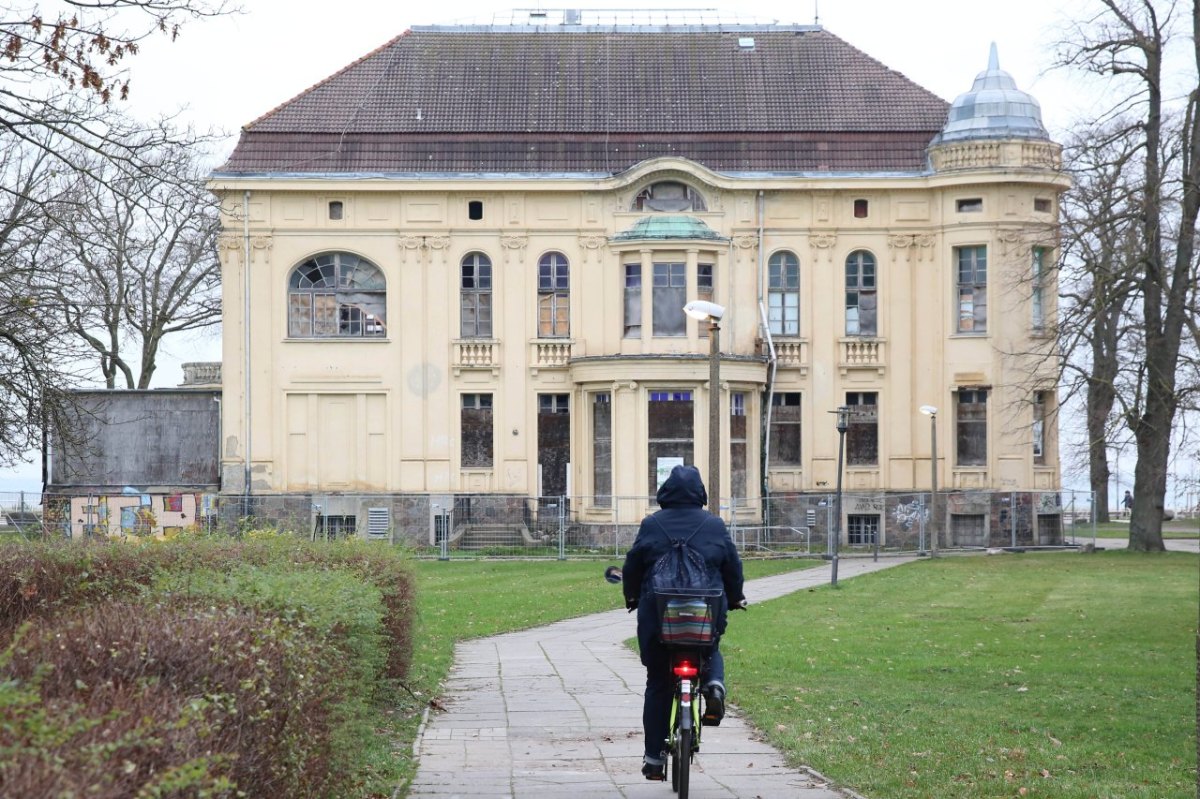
<point x="1128" y="501"/>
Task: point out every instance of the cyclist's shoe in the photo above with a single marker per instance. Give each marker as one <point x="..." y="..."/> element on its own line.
<point x="714" y="705"/>
<point x="654" y="771"/>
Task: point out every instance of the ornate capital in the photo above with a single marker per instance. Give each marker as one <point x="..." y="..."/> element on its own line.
<point x="513" y="242"/>
<point x="745" y="242"/>
<point x="411" y="242"/>
<point x="261" y="242"/>
<point x="437" y="242"/>
<point x="230" y="242"/>
<point x="822" y="241"/>
<point x="901" y="242"/>
<point x="592" y="242"/>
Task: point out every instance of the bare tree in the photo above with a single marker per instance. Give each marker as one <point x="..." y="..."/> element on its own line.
<point x="37" y="369"/>
<point x="1126" y="42"/>
<point x="136" y="259"/>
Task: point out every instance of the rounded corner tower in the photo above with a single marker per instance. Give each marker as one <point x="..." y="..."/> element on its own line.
<point x="995" y="124"/>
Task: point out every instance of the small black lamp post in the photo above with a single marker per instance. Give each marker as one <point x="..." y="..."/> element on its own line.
<point x="843" y="424"/>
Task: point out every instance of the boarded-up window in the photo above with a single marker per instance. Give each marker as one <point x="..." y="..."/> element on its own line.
<point x="336" y="294"/>
<point x="554" y="443"/>
<point x="783" y="294"/>
<point x="602" y="449"/>
<point x="670" y="295"/>
<point x="670" y="431"/>
<point x="633" y="300"/>
<point x="968" y="529"/>
<point x="972" y="289"/>
<point x="972" y="427"/>
<point x="554" y="296"/>
<point x="785" y="429"/>
<point x="861" y="528"/>
<point x="737" y="443"/>
<point x="476" y="436"/>
<point x="476" y="294"/>
<point x="704" y="290"/>
<point x="860" y="294"/>
<point x="862" y="437"/>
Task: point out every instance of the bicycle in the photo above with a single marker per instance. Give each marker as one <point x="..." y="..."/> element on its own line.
<point x="687" y="661"/>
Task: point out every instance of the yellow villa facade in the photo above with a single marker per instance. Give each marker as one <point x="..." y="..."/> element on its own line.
<point x="515" y="327"/>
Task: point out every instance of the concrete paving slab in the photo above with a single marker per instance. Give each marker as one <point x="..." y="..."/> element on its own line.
<point x="556" y="712"/>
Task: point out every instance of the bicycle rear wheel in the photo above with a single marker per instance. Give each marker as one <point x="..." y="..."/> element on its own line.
<point x="681" y="763"/>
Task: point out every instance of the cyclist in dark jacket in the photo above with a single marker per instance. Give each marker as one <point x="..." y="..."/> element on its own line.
<point x="682" y="499"/>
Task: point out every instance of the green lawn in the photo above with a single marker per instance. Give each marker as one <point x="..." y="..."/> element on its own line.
<point x="458" y="600"/>
<point x="1053" y="675"/>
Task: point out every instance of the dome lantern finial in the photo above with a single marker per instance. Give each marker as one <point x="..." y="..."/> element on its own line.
<point x="994" y="108"/>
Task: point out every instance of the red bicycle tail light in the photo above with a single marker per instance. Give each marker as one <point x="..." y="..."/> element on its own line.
<point x="685" y="668"/>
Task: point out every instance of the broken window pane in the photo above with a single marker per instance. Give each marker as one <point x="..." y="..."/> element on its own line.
<point x="972" y="289"/>
<point x="476" y="423"/>
<point x="1040" y="400"/>
<point x="669" y="195"/>
<point x="862" y="436"/>
<point x="336" y="294"/>
<point x="783" y="294"/>
<point x="670" y="295"/>
<point x="704" y="290"/>
<point x="971" y="424"/>
<point x="476" y="294"/>
<point x="553" y="296"/>
<point x="633" y="300"/>
<point x="785" y="429"/>
<point x="860" y="294"/>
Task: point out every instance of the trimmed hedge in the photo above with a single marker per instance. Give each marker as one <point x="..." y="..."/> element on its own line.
<point x="198" y="668"/>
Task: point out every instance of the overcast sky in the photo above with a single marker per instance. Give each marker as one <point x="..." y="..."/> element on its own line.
<point x="223" y="73"/>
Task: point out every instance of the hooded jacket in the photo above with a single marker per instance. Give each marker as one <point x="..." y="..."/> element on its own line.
<point x="682" y="499"/>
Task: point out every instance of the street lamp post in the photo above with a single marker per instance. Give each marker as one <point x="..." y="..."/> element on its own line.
<point x="843" y="424"/>
<point x="711" y="312"/>
<point x="931" y="412"/>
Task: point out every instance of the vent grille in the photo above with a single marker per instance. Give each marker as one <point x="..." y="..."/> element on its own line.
<point x="379" y="522"/>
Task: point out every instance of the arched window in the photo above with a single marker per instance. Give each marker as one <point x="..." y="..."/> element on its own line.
<point x="476" y="296"/>
<point x="860" y="294"/>
<point x="783" y="294"/>
<point x="336" y="295"/>
<point x="669" y="195"/>
<point x="554" y="296"/>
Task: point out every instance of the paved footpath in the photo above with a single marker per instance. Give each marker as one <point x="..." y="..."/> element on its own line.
<point x="556" y="712"/>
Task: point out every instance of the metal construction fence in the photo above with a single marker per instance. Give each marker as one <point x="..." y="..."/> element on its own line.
<point x="508" y="525"/>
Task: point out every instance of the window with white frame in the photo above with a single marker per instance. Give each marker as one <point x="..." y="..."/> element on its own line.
<point x="783" y="294"/>
<point x="972" y="289"/>
<point x="336" y="295"/>
<point x="554" y="296"/>
<point x="476" y="296"/>
<point x="860" y="294"/>
<point x="1037" y="298"/>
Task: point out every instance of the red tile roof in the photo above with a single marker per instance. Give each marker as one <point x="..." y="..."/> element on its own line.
<point x="591" y="100"/>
